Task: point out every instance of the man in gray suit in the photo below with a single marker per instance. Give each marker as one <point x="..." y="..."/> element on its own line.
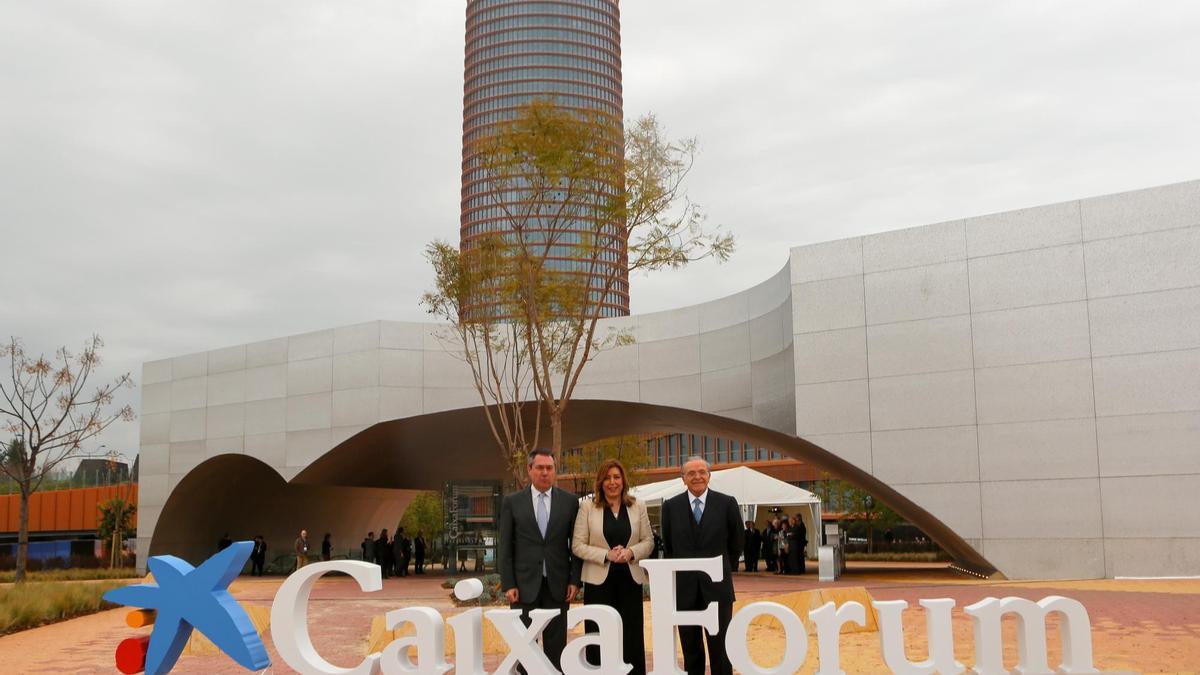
<point x="537" y="570"/>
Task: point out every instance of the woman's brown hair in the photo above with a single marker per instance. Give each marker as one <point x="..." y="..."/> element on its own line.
<point x="598" y="489"/>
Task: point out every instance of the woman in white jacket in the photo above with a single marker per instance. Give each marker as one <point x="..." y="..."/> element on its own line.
<point x="612" y="534"/>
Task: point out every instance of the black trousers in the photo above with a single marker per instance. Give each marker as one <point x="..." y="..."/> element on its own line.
<point x="554" y="638"/>
<point x="419" y="565"/>
<point x="751" y="563"/>
<point x="623" y="594"/>
<point x="256" y="566"/>
<point x="693" y="638"/>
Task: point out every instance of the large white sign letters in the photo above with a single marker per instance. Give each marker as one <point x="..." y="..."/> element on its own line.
<point x="424" y="652"/>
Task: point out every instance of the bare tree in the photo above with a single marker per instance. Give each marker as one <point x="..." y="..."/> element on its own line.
<point x="46" y="407"/>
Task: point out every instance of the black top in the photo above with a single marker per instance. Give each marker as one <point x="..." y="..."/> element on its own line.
<point x="617" y="529"/>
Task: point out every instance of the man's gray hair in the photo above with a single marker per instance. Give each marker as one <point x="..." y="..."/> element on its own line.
<point x="695" y="458"/>
<point x="538" y="451"/>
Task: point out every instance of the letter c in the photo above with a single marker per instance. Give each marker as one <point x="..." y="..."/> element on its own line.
<point x="289" y="617"/>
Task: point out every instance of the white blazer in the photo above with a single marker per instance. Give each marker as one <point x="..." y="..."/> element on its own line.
<point x="589" y="543"/>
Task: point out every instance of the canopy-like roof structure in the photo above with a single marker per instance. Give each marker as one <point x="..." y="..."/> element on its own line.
<point x="755" y="492"/>
<point x="750" y="487"/>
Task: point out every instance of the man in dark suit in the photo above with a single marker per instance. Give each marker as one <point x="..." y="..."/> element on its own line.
<point x="537" y="570"/>
<point x="703" y="523"/>
<point x="752" y="542"/>
<point x="419" y="550"/>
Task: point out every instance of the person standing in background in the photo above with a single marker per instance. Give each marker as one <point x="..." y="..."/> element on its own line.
<point x="326" y="548"/>
<point x="300" y="546"/>
<point x="751" y="546"/>
<point x="419" y="550"/>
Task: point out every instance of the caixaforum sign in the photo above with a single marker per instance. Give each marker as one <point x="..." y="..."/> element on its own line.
<point x="424" y="651"/>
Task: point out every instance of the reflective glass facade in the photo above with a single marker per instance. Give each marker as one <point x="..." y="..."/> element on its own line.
<point x="568" y="51"/>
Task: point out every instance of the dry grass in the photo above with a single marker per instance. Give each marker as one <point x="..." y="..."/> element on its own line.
<point x="72" y="574"/>
<point x="34" y="604"/>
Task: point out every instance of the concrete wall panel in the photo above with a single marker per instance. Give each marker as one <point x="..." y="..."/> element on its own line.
<point x="311" y="411"/>
<point x="310" y="376"/>
<point x="924" y="346"/>
<point x="189" y="393"/>
<point x="679" y="392"/>
<point x="266" y="416"/>
<point x="725" y="348"/>
<point x="1037" y="277"/>
<point x="1038" y="227"/>
<point x="266" y="382"/>
<point x="828" y="305"/>
<point x="1037" y="450"/>
<point x="914" y="247"/>
<point x="832" y="408"/>
<point x="831" y="356"/>
<point x="920" y="401"/>
<point x="854" y="447"/>
<point x="226" y="387"/>
<point x="955" y="504"/>
<point x="1146" y="322"/>
<point x="227" y="360"/>
<point x="669" y="358"/>
<point x="1048" y="558"/>
<point x="356" y="369"/>
<point x="1148" y="210"/>
<point x="1041" y="391"/>
<point x="357" y="338"/>
<point x="1031" y="335"/>
<point x="1158" y="261"/>
<point x="827" y="260"/>
<point x="1149" y="506"/>
<point x="266" y="353"/>
<point x="917" y="293"/>
<point x="1017" y="509"/>
<point x="318" y="344"/>
<point x="945" y="455"/>
<point x="1132" y="445"/>
<point x="727" y="389"/>
<point x="156" y="398"/>
<point x="1148" y="383"/>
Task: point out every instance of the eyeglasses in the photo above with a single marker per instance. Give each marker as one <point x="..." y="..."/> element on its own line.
<point x="696" y="474"/>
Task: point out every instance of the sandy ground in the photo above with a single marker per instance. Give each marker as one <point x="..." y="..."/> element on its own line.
<point x="1137" y="626"/>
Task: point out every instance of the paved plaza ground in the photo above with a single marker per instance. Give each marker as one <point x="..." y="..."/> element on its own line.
<point x="1137" y="626"/>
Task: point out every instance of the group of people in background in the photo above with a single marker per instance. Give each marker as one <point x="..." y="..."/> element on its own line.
<point x="395" y="554"/>
<point x="782" y="544"/>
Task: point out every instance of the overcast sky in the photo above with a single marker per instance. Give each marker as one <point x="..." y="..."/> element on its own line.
<point x="181" y="176"/>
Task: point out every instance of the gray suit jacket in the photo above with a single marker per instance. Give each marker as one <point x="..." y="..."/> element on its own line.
<point x="522" y="548"/>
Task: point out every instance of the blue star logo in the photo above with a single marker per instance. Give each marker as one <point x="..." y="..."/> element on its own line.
<point x="187" y="597"/>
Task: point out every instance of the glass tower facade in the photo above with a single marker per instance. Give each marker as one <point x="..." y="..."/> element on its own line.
<point x="565" y="51"/>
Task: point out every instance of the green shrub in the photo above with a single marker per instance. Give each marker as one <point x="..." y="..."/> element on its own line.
<point x="34" y="604"/>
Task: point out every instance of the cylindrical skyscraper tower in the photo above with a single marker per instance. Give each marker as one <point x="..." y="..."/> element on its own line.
<point x="565" y="51"/>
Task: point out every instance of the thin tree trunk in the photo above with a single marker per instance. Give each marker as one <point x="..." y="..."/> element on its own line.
<point x="23" y="537"/>
<point x="556" y="436"/>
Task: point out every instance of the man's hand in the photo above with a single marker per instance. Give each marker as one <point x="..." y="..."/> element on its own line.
<point x="513" y="595"/>
<point x="572" y="590"/>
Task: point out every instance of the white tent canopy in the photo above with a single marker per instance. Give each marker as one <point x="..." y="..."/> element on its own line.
<point x="755" y="492"/>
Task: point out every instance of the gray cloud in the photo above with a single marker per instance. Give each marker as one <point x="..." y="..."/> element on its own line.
<point x="181" y="176"/>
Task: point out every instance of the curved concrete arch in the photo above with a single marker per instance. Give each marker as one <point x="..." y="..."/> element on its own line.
<point x="424" y="451"/>
<point x="244" y="497"/>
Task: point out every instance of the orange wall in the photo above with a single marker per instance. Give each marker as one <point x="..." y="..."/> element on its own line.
<point x="63" y="510"/>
